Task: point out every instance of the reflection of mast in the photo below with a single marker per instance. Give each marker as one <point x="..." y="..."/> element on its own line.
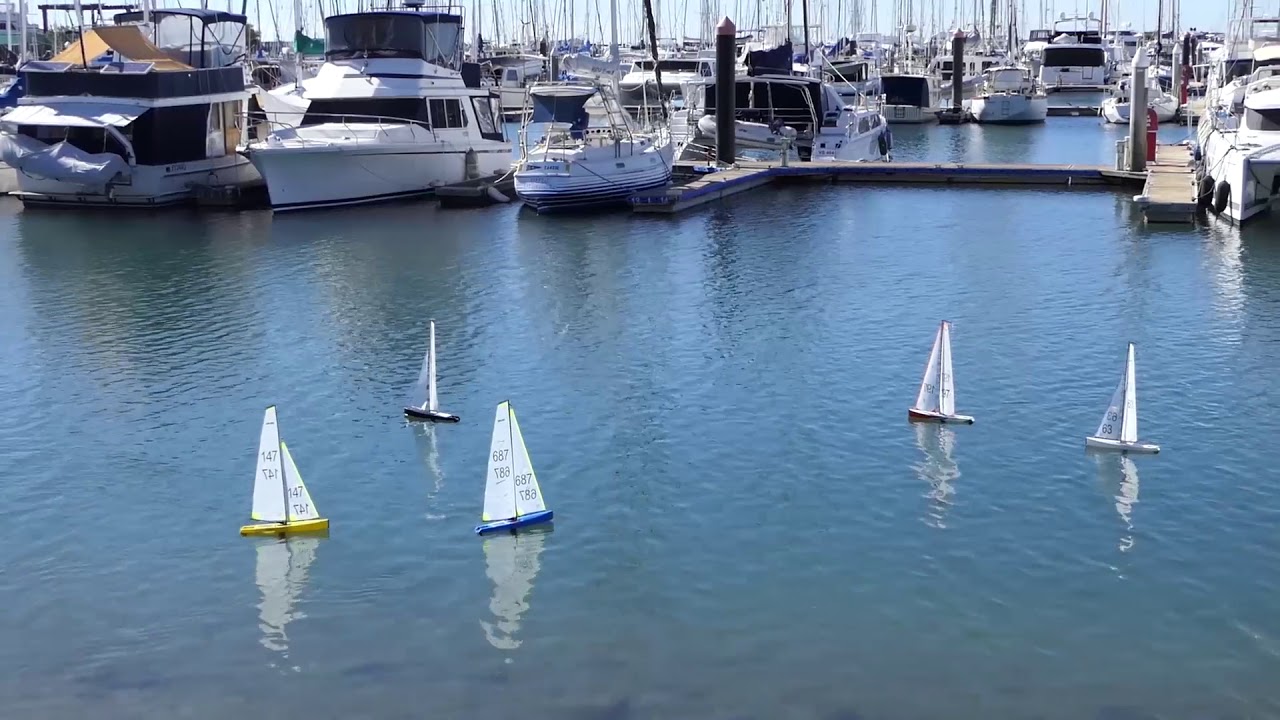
<point x="281" y="575"/>
<point x="1121" y="473"/>
<point x="511" y="562"/>
<point x="937" y="468"/>
<point x="432" y="457"/>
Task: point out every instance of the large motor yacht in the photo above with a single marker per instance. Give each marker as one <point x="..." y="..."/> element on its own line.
<point x="134" y="114"/>
<point x="393" y="113"/>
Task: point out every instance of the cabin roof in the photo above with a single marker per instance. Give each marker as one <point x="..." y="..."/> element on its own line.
<point x="204" y="15"/>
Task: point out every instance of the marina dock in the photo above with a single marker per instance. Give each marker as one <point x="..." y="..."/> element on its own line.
<point x="1168" y="196"/>
<point x="695" y="185"/>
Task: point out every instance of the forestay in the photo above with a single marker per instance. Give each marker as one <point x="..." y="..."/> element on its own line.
<point x="268" y="483"/>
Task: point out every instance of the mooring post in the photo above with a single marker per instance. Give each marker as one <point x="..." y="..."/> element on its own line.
<point x="957" y="71"/>
<point x="726" y="86"/>
<point x="1138" y="114"/>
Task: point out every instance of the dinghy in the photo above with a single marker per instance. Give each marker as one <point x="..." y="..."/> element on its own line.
<point x="936" y="401"/>
<point x="512" y="498"/>
<point x="281" y="502"/>
<point x="1119" y="427"/>
<point x="430" y="410"/>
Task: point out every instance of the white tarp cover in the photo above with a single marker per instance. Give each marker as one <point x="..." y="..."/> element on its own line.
<point x="61" y="161"/>
<point x="74" y="114"/>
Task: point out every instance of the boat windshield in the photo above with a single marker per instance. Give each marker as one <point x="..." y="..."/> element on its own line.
<point x="1055" y="56"/>
<point x="680" y="66"/>
<point x="1267" y="119"/>
<point x="430" y="37"/>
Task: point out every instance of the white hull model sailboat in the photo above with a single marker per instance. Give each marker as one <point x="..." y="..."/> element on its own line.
<point x="430" y="409"/>
<point x="936" y="401"/>
<point x="1119" y="427"/>
<point x="281" y="502"/>
<point x="512" y="498"/>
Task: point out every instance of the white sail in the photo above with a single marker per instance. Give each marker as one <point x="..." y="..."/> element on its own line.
<point x="499" y="490"/>
<point x="433" y="404"/>
<point x="528" y="494"/>
<point x="511" y="562"/>
<point x="300" y="505"/>
<point x="946" y="383"/>
<point x="268" y="482"/>
<point x="1129" y="414"/>
<point x="927" y="398"/>
<point x="1112" y="419"/>
<point x="281" y="575"/>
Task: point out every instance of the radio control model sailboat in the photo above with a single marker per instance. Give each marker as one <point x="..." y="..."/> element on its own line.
<point x="429" y="410"/>
<point x="281" y="502"/>
<point x="1119" y="427"/>
<point x="512" y="498"/>
<point x="936" y="401"/>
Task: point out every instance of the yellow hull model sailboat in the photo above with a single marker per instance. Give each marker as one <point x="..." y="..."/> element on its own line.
<point x="281" y="502"/>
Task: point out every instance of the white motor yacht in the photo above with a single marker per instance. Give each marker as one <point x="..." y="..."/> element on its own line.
<point x="1009" y="96"/>
<point x="392" y="113"/>
<point x="810" y="115"/>
<point x="134" y="114"/>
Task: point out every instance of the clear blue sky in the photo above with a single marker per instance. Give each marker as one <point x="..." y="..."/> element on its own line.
<point x="1204" y="14"/>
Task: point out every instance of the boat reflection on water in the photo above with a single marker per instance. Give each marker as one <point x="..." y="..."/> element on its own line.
<point x="425" y="438"/>
<point x="1119" y="474"/>
<point x="281" y="575"/>
<point x="511" y="562"/>
<point x="937" y="442"/>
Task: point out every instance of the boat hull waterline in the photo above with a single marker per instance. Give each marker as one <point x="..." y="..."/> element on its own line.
<point x="296" y="527"/>
<point x="513" y="524"/>
<point x="915" y="415"/>
<point x="417" y="413"/>
<point x="1097" y="443"/>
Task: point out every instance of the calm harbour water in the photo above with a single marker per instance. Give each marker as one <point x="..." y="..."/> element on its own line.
<point x="747" y="526"/>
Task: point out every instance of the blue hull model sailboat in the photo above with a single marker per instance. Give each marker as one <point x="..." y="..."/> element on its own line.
<point x="512" y="498"/>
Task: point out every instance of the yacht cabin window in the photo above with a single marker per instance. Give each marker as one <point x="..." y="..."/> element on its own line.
<point x="447" y="113"/>
<point x="430" y="37"/>
<point x="484" y="115"/>
<point x="1267" y="120"/>
<point x="366" y="110"/>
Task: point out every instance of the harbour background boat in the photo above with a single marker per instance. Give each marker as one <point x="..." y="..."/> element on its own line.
<point x="707" y="561"/>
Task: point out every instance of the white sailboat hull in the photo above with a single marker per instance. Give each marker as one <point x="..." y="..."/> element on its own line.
<point x="917" y="415"/>
<point x="1097" y="443"/>
<point x="304" y="174"/>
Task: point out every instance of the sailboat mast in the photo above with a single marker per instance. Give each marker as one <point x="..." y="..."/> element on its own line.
<point x="511" y="458"/>
<point x="284" y="484"/>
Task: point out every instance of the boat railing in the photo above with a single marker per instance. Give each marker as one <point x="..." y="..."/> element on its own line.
<point x="346" y="120"/>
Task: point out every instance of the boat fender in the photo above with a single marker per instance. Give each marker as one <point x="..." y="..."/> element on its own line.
<point x="884" y="141"/>
<point x="497" y="195"/>
<point x="1221" y="195"/>
<point x="1196" y="155"/>
<point x="1204" y="192"/>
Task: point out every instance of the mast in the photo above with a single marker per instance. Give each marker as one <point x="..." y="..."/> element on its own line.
<point x="475" y="35"/>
